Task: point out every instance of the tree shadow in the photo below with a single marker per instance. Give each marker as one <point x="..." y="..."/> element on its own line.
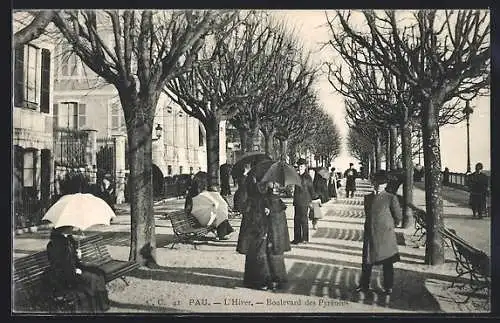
<point x="216" y="277"/>
<point x="350" y="234"/>
<point x="346" y="213"/>
<point x="338" y="280"/>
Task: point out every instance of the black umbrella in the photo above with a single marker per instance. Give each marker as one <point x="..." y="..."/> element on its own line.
<point x="277" y="172"/>
<point x="251" y="158"/>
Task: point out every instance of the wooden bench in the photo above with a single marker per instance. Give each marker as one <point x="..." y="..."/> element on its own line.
<point x="419" y="216"/>
<point x="31" y="290"/>
<point x="469" y="261"/>
<point x="186" y="228"/>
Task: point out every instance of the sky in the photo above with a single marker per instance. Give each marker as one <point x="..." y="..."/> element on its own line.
<point x="311" y="29"/>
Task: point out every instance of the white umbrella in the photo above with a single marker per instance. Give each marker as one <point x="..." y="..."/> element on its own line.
<point x="207" y="202"/>
<point x="79" y="210"/>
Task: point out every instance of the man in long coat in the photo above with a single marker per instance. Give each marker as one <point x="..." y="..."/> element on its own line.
<point x="350" y="180"/>
<point x="478" y="187"/>
<point x="302" y="197"/>
<point x="383" y="214"/>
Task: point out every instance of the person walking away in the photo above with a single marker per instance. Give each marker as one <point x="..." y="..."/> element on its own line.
<point x="478" y="188"/>
<point x="383" y="213"/>
<point x="267" y="231"/>
<point x="302" y="198"/>
<point x="332" y="184"/>
<point x="350" y="180"/>
<point x="67" y="272"/>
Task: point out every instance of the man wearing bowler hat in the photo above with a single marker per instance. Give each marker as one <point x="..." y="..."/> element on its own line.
<point x="350" y="180"/>
<point x="383" y="214"/>
<point x="302" y="197"/>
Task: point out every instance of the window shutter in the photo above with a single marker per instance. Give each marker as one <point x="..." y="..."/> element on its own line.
<point x="82" y="115"/>
<point x="45" y="88"/>
<point x="19" y="76"/>
<point x="55" y="113"/>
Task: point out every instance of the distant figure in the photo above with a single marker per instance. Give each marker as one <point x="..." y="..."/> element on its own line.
<point x="332" y="184"/>
<point x="350" y="180"/>
<point x="446" y="176"/>
<point x="320" y="185"/>
<point x="225" y="174"/>
<point x="362" y="172"/>
<point x="478" y="188"/>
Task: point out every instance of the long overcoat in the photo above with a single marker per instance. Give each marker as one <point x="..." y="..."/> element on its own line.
<point x="379" y="239"/>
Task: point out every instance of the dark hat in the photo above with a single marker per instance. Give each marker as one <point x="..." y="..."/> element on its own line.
<point x="302" y="161"/>
<point x="380" y="177"/>
<point x="351" y="164"/>
<point x="394" y="179"/>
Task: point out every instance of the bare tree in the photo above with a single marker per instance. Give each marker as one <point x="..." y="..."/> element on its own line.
<point x="35" y="28"/>
<point x="231" y="75"/>
<point x="146" y="50"/>
<point x="440" y="58"/>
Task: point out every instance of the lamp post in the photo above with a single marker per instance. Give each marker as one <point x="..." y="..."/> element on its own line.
<point x="468" y="111"/>
<point x="158" y="132"/>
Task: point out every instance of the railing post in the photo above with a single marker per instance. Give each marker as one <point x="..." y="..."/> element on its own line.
<point x="120" y="167"/>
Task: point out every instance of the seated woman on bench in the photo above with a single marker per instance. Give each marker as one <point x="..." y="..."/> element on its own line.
<point x="218" y="220"/>
<point x="68" y="273"/>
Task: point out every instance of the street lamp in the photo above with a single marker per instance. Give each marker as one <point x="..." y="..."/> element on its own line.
<point x="158" y="132"/>
<point x="468" y="111"/>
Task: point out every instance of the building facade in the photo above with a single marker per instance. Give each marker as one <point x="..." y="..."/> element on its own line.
<point x="83" y="102"/>
<point x="32" y="138"/>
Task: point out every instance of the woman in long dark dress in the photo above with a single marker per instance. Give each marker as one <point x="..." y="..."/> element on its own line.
<point x="68" y="273"/>
<point x="267" y="240"/>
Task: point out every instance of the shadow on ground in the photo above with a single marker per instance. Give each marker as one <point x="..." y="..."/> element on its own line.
<point x="313" y="276"/>
<point x="350" y="234"/>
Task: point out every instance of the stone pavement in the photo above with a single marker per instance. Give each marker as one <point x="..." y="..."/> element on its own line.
<point x="322" y="274"/>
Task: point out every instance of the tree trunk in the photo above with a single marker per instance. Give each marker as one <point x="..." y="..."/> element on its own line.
<point x="243" y="139"/>
<point x="388" y="150"/>
<point x="408" y="180"/>
<point x="142" y="221"/>
<point x="434" y="251"/>
<point x="252" y="133"/>
<point x="212" y="129"/>
<point x="268" y="141"/>
<point x="393" y="131"/>
<point x="378" y="157"/>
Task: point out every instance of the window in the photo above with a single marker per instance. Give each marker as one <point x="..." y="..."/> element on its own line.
<point x="70" y="115"/>
<point x="201" y="137"/>
<point x="191" y="170"/>
<point x="169" y="170"/>
<point x="180" y="169"/>
<point x="30" y="75"/>
<point x="117" y="118"/>
<point x="32" y="78"/>
<point x="169" y="109"/>
<point x="29" y="168"/>
<point x="69" y="64"/>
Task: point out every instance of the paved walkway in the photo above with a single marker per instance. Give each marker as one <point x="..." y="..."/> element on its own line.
<point x="458" y="216"/>
<point x="322" y="274"/>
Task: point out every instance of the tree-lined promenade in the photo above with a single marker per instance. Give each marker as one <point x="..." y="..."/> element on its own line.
<point x="250" y="69"/>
